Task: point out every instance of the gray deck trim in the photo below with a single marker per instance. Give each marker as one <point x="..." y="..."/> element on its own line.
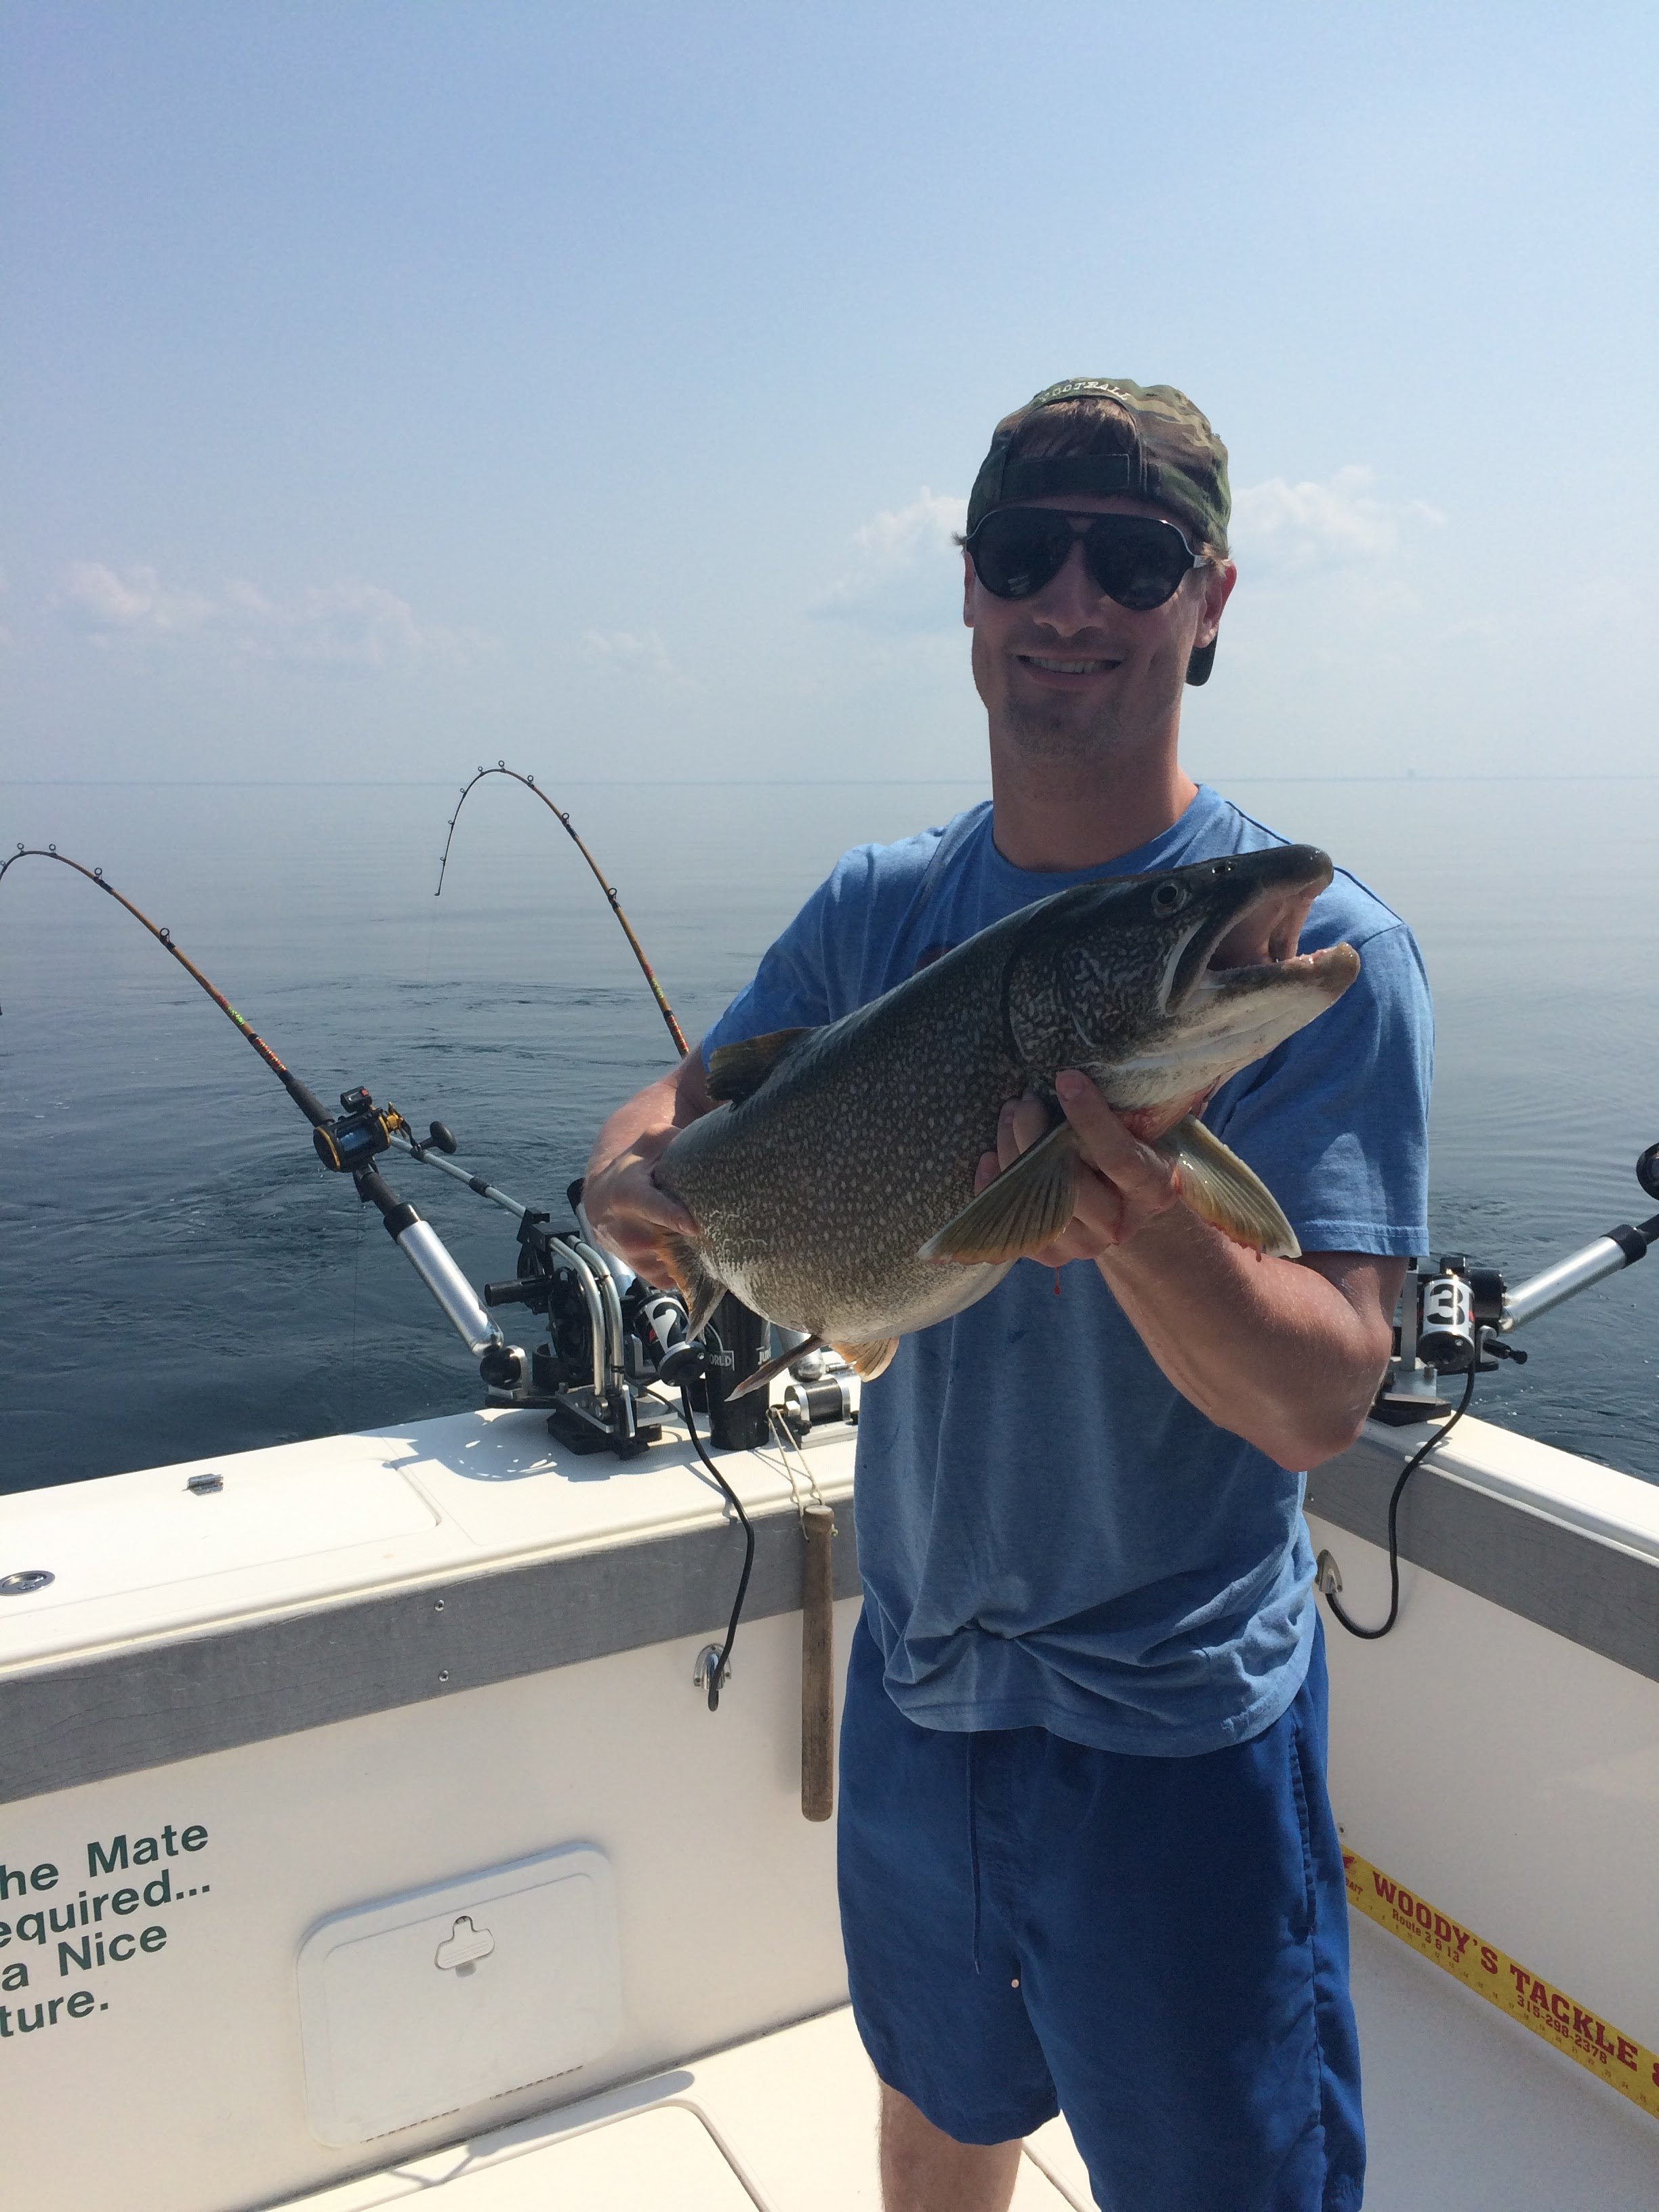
<point x="1566" y="1579"/>
<point x="124" y="1712"/>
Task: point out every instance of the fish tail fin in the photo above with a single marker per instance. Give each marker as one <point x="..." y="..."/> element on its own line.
<point x="771" y="1369"/>
<point x="1221" y="1190"/>
<point x="700" y="1288"/>
<point x="1027" y="1206"/>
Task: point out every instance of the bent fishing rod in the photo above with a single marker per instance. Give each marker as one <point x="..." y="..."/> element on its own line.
<point x="609" y="889"/>
<point x="563" y="1276"/>
<point x="348" y="1143"/>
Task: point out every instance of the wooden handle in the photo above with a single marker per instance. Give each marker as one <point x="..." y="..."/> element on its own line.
<point x="818" y="1665"/>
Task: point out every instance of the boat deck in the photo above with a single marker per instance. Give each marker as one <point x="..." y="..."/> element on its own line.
<point x="1466" y="2110"/>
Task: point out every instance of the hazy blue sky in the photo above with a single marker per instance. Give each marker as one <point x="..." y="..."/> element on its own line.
<point x="390" y="387"/>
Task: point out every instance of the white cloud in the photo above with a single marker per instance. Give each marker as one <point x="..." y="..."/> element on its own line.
<point x="639" y="653"/>
<point x="905" y="572"/>
<point x="1281" y="528"/>
<point x="345" y="625"/>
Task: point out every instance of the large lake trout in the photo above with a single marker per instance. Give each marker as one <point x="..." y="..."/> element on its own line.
<point x="835" y="1185"/>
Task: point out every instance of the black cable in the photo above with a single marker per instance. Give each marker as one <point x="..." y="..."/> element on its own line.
<point x="1407" y="1472"/>
<point x="717" y="1673"/>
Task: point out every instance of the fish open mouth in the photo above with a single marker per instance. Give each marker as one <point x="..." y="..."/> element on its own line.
<point x="1252" y="945"/>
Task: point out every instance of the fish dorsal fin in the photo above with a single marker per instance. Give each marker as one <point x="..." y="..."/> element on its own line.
<point x="871" y="1360"/>
<point x="1028" y="1204"/>
<point x="736" y="1071"/>
<point x="1220" y="1189"/>
<point x="702" y="1288"/>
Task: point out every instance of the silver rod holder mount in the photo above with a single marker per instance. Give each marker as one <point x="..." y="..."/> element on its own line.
<point x="421" y="1246"/>
<point x="1619" y="1248"/>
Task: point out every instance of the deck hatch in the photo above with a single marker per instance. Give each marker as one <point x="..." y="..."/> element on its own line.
<point x="415" y="2005"/>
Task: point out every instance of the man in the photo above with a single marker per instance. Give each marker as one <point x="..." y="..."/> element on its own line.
<point x="1086" y="1857"/>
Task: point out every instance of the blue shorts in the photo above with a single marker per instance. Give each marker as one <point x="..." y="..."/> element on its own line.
<point x="1159" y="1947"/>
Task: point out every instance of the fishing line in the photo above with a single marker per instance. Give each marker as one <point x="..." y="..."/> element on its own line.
<point x="609" y="889"/>
<point x="1370" y="1635"/>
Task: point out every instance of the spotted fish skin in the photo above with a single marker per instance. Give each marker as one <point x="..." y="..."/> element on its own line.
<point x="814" y="1194"/>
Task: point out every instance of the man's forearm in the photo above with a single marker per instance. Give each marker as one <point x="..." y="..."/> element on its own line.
<point x="1273" y="1350"/>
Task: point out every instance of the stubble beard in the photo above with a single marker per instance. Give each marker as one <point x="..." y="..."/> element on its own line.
<point x="1054" y="733"/>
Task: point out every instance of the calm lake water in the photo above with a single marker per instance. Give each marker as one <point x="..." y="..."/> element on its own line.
<point x="178" y="1276"/>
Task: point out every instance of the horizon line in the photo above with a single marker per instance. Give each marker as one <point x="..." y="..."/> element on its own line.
<point x="735" y="783"/>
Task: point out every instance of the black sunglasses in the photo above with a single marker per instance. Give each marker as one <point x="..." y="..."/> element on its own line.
<point x="1136" y="560"/>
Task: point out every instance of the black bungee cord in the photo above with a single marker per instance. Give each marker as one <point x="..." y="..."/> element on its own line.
<point x="721" y="1667"/>
<point x="1353" y="1627"/>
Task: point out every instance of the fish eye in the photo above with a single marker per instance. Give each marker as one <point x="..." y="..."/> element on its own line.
<point x="1221" y="868"/>
<point x="1169" y="898"/>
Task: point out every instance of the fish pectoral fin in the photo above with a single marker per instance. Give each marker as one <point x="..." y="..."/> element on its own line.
<point x="771" y="1369"/>
<point x="1220" y="1189"/>
<point x="868" y="1360"/>
<point x="1027" y="1206"/>
<point x="702" y="1290"/>
<point x="736" y="1071"/>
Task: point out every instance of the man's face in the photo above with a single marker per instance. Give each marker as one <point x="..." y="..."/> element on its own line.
<point x="1068" y="673"/>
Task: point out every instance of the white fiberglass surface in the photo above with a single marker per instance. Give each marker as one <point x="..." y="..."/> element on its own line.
<point x="144" y="1554"/>
<point x="647" y="2163"/>
<point x="104" y="1540"/>
<point x="1465" y="2112"/>
<point x="792" y="2114"/>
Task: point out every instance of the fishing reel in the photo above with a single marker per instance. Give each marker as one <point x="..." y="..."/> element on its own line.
<point x="1455" y="1319"/>
<point x="350" y="1140"/>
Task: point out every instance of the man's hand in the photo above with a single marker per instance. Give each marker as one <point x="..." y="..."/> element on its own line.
<point x="1122" y="1184"/>
<point x="621" y="1197"/>
<point x="627" y="1210"/>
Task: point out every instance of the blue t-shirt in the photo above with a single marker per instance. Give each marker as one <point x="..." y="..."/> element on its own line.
<point x="1051" y="1534"/>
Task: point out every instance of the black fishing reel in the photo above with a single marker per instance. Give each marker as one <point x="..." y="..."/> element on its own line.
<point x="348" y="1141"/>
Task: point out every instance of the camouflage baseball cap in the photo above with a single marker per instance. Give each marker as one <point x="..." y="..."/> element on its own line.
<point x="1153" y="444"/>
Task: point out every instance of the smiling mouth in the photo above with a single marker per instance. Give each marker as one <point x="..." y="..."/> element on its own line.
<point x="1053" y="664"/>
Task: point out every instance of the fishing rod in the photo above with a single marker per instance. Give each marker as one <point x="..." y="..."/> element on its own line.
<point x="608" y="1339"/>
<point x="611" y="1334"/>
<point x="609" y="889"/>
<point x="347" y="1143"/>
<point x="315" y="1111"/>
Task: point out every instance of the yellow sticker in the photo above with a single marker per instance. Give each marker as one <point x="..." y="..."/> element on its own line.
<point x="1595" y="2042"/>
